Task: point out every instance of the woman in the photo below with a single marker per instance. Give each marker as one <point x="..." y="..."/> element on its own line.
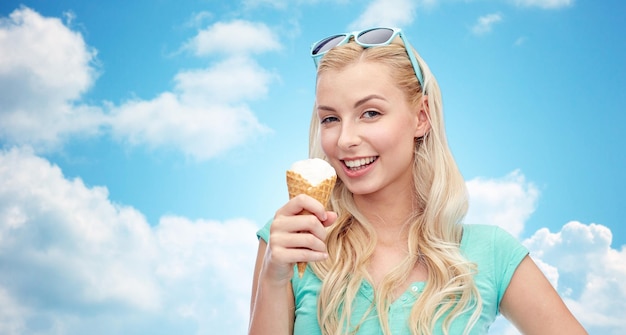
<point x="391" y="256"/>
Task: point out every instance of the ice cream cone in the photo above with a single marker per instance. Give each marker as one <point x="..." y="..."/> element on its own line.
<point x="297" y="184"/>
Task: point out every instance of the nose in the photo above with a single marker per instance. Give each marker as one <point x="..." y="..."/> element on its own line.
<point x="349" y="136"/>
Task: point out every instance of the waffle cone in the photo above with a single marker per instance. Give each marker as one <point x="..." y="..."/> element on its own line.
<point x="296" y="184"/>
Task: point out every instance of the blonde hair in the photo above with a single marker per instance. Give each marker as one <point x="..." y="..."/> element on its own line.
<point x="434" y="229"/>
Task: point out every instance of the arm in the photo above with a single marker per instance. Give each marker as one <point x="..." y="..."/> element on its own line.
<point x="293" y="238"/>
<point x="533" y="305"/>
<point x="272" y="306"/>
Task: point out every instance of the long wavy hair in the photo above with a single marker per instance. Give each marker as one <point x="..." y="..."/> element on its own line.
<point x="434" y="229"/>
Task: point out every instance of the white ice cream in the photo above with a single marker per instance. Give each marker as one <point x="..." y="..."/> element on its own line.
<point x="314" y="170"/>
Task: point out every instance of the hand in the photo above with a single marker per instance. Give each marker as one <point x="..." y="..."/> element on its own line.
<point x="296" y="237"/>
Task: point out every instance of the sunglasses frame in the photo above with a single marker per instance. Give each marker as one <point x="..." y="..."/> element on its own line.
<point x="356" y="34"/>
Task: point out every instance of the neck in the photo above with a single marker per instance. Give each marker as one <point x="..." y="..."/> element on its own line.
<point x="388" y="213"/>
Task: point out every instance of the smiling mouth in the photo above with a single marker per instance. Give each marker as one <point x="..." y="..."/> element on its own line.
<point x="361" y="163"/>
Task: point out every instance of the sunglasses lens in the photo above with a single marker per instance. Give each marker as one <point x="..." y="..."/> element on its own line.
<point x="375" y="36"/>
<point x="327" y="44"/>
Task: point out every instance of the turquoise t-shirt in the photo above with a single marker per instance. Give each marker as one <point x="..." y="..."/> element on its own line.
<point x="495" y="251"/>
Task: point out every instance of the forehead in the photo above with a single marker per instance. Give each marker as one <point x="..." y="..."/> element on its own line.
<point x="355" y="81"/>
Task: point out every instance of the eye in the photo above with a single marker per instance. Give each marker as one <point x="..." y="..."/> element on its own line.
<point x="330" y="119"/>
<point x="370" y="114"/>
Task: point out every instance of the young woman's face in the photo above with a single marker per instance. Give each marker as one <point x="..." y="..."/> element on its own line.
<point x="367" y="128"/>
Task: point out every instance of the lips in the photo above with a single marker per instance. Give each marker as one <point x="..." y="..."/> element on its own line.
<point x="359" y="163"/>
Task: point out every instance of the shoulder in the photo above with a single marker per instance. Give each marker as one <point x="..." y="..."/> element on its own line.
<point x="490" y="243"/>
<point x="481" y="228"/>
<point x="476" y="233"/>
<point x="492" y="247"/>
<point x="496" y="253"/>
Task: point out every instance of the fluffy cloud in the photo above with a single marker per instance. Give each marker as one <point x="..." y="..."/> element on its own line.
<point x="206" y="113"/>
<point x="385" y="13"/>
<point x="590" y="273"/>
<point x="586" y="271"/>
<point x="485" y="23"/>
<point x="203" y="116"/>
<point x="506" y="202"/>
<point x="73" y="262"/>
<point x="44" y="69"/>
<point x="578" y="260"/>
<point x="545" y="4"/>
<point x="233" y="38"/>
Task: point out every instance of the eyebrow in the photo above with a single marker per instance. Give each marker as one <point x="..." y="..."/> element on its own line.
<point x="356" y="104"/>
<point x="368" y="98"/>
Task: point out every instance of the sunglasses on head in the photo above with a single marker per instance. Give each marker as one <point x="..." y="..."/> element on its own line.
<point x="368" y="38"/>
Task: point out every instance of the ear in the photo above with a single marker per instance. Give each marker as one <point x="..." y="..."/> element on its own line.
<point x="423" y="118"/>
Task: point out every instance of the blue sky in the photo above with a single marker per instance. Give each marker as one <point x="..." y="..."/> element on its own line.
<point x="143" y="143"/>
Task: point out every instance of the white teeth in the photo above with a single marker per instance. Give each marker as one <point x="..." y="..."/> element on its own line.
<point x="357" y="163"/>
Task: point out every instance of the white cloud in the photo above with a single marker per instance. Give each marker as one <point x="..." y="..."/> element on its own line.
<point x="394" y="13"/>
<point x="59" y="229"/>
<point x="73" y="262"/>
<point x="207" y="268"/>
<point x="44" y="69"/>
<point x="198" y="19"/>
<point x="545" y="4"/>
<point x="12" y="315"/>
<point x="485" y="23"/>
<point x="46" y="50"/>
<point x="590" y="273"/>
<point x="276" y="4"/>
<point x="204" y="116"/>
<point x="234" y="38"/>
<point x="507" y="202"/>
<point x="578" y="260"/>
<point x="206" y="113"/>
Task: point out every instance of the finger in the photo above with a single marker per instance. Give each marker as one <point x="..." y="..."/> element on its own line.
<point x="298" y="224"/>
<point x="292" y="229"/>
<point x="331" y="217"/>
<point x="304" y="203"/>
<point x="294" y="223"/>
<point x="289" y="256"/>
<point x="298" y="241"/>
<point x="291" y="248"/>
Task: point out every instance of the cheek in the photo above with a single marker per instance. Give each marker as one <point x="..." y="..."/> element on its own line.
<point x="328" y="139"/>
<point x="384" y="139"/>
<point x="395" y="139"/>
